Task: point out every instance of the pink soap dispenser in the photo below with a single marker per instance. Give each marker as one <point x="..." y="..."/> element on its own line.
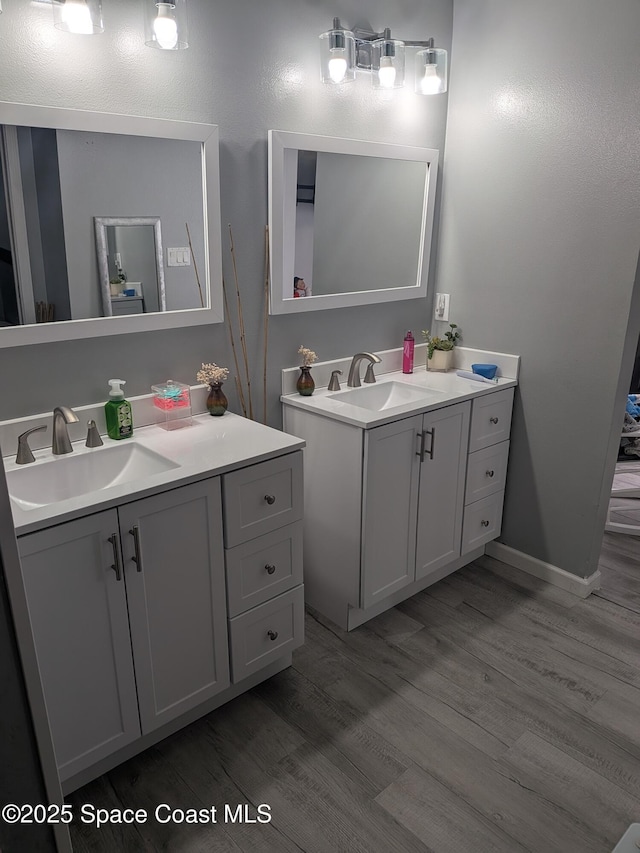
<point x="407" y="353"/>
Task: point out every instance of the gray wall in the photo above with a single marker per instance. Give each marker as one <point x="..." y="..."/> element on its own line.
<point x="250" y="67"/>
<point x="539" y="242"/>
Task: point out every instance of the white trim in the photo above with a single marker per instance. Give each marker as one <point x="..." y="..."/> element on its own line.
<point x="554" y="575"/>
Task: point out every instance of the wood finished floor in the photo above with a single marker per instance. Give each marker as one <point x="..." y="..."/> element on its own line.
<point x="489" y="713"/>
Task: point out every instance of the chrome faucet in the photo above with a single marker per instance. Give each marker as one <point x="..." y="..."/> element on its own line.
<point x="62" y="415"/>
<point x="354" y="371"/>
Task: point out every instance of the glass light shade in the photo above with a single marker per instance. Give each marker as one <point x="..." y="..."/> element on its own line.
<point x="431" y="71"/>
<point x="81" y="17"/>
<point x="337" y="56"/>
<point x="387" y="64"/>
<point x="166" y="25"/>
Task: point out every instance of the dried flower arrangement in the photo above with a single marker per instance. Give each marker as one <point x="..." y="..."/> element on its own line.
<point x="211" y="374"/>
<point x="308" y="356"/>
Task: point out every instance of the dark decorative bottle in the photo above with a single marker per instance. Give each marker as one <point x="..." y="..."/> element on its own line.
<point x="305" y="383"/>
<point x="217" y="403"/>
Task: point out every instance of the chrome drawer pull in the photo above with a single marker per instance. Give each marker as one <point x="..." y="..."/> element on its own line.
<point x="494" y="420"/>
<point x="273" y="635"/>
<point x="485" y="523"/>
<point x="270" y="499"/>
<point x="136" y="543"/>
<point x="117" y="568"/>
<point x="270" y="568"/>
<point x="490" y="473"/>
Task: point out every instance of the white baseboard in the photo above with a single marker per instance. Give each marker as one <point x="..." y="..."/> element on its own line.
<point x="581" y="587"/>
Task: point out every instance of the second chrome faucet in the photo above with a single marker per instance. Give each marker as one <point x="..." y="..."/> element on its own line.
<point x="353" y="380"/>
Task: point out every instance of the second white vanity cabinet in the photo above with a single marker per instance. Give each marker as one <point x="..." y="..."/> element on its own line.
<point x="392" y="508"/>
<point x="134" y="589"/>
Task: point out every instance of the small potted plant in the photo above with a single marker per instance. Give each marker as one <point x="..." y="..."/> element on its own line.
<point x="305" y="384"/>
<point x="440" y="349"/>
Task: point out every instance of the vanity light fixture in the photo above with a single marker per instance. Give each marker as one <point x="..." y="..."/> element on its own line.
<point x="343" y="52"/>
<point x="166" y="25"/>
<point x="81" y="17"/>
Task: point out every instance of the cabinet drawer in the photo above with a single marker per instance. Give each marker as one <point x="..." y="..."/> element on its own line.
<point x="486" y="472"/>
<point x="482" y="522"/>
<point x="491" y="419"/>
<point x="266" y="633"/>
<point x="262" y="498"/>
<point x="263" y="568"/>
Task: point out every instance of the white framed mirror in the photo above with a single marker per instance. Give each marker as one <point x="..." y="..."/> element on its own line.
<point x="62" y="170"/>
<point x="350" y="221"/>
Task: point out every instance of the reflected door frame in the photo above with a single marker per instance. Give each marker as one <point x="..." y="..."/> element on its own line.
<point x="17" y="219"/>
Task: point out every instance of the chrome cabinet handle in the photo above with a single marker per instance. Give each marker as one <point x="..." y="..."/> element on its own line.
<point x="117" y="567"/>
<point x="432" y="433"/>
<point x="273" y="635"/>
<point x="135" y="532"/>
<point x="422" y="436"/>
<point x="270" y="499"/>
<point x="270" y="568"/>
<point x="494" y="420"/>
<point x="485" y="523"/>
<point x="489" y="473"/>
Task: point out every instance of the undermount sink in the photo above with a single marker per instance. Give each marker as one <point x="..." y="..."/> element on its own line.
<point x="71" y="476"/>
<point x="385" y="395"/>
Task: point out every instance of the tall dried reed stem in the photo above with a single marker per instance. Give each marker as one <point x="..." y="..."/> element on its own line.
<point x="227" y="315"/>
<point x="266" y="323"/>
<point x="243" y="339"/>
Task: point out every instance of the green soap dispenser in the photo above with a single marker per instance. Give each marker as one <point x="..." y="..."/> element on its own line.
<point x="118" y="412"/>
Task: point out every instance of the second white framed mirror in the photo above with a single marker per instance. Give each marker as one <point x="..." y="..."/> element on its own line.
<point x="350" y="221"/>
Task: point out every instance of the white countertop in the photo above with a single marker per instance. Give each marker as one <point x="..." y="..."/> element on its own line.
<point x="211" y="446"/>
<point x="449" y="389"/>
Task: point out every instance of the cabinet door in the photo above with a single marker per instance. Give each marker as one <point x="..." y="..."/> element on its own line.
<point x="174" y="571"/>
<point x="78" y="612"/>
<point x="390" y="495"/>
<point x="441" y="496"/>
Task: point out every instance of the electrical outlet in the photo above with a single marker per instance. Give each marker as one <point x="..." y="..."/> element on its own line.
<point x="441" y="311"/>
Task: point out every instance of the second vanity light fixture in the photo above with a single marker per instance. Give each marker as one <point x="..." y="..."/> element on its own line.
<point x="343" y="52"/>
<point x="165" y="23"/>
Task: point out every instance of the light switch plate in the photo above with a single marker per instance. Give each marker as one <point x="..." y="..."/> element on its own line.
<point x="178" y="257"/>
<point x="441" y="310"/>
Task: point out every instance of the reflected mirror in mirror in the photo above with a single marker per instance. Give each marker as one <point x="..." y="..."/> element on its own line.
<point x="130" y="263"/>
<point x="102" y="218"/>
<point x="350" y="221"/>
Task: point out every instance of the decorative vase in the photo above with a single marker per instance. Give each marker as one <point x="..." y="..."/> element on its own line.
<point x="305" y="383"/>
<point x="217" y="403"/>
<point x="442" y="359"/>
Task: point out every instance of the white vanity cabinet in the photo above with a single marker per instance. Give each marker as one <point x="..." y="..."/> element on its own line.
<point x="138" y="589"/>
<point x="412" y="499"/>
<point x="390" y="509"/>
<point x="141" y="612"/>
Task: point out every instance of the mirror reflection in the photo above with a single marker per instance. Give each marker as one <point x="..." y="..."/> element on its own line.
<point x="57" y="183"/>
<point x="358" y="223"/>
<point x="130" y="263"/>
